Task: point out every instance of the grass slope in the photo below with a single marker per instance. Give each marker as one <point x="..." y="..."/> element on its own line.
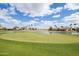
<point x="14" y="48"/>
<point x="26" y="44"/>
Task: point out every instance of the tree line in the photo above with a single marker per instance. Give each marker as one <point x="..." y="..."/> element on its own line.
<point x="55" y="28"/>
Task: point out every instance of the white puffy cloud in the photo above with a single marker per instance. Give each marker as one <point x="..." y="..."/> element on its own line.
<point x="7" y="25"/>
<point x="57" y="10"/>
<point x="73" y="18"/>
<point x="4" y="15"/>
<point x="11" y="22"/>
<point x="56" y="16"/>
<point x="3" y="12"/>
<point x="32" y="22"/>
<point x="71" y="6"/>
<point x="36" y="9"/>
<point x="12" y="11"/>
<point x="36" y="19"/>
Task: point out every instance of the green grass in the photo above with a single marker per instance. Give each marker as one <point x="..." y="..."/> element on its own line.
<point x="39" y="37"/>
<point x="38" y="44"/>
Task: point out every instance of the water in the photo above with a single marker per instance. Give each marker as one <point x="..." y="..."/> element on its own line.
<point x="57" y="32"/>
<point x="60" y="32"/>
<point x="75" y="33"/>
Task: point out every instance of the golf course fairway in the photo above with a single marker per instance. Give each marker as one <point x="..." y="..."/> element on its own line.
<point x="30" y="43"/>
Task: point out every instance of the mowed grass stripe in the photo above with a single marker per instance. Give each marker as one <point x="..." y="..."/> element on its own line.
<point x="15" y="48"/>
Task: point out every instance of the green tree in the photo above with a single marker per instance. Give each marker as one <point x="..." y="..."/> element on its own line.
<point x="50" y="29"/>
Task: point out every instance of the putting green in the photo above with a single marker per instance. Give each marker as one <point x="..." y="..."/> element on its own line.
<point x="31" y="36"/>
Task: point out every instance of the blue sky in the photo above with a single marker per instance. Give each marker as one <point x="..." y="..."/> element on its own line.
<point x="41" y="15"/>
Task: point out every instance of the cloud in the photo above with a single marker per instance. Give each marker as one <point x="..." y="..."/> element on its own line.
<point x="12" y="11"/>
<point x="44" y="24"/>
<point x="36" y="19"/>
<point x="57" y="10"/>
<point x="36" y="9"/>
<point x="4" y="15"/>
<point x="7" y="25"/>
<point x="33" y="22"/>
<point x="3" y="12"/>
<point x="56" y="16"/>
<point x="11" y="22"/>
<point x="73" y="18"/>
<point x="71" y="6"/>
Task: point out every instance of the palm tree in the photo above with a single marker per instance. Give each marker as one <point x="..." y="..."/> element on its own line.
<point x="55" y="26"/>
<point x="75" y="26"/>
<point x="29" y="27"/>
<point x="16" y="28"/>
<point x="62" y="27"/>
<point x="50" y="29"/>
<point x="70" y="27"/>
<point x="30" y="24"/>
<point x="0" y="26"/>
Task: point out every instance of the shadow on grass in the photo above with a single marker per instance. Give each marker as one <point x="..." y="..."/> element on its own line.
<point x="15" y="48"/>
